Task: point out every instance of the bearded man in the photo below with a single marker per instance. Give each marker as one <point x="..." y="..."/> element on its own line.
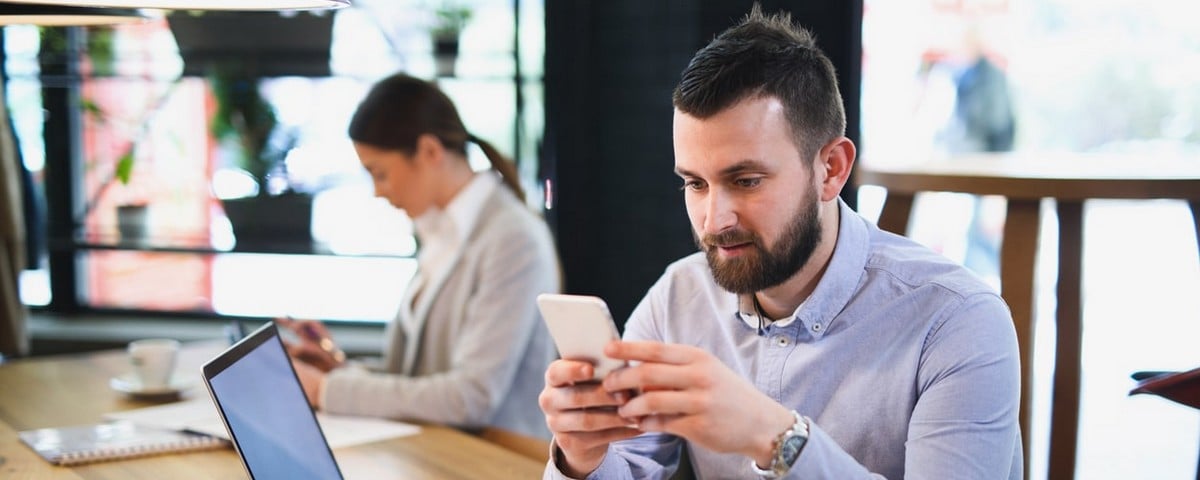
<point x="802" y="341"/>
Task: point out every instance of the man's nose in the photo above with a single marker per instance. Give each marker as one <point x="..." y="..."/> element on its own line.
<point x="719" y="213"/>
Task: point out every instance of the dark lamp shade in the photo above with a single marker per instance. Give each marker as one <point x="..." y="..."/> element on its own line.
<point x="198" y="4"/>
<point x="60" y="16"/>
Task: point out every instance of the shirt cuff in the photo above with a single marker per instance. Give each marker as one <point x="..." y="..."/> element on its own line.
<point x="552" y="470"/>
<point x="325" y="393"/>
<point x="322" y="402"/>
<point x="608" y="467"/>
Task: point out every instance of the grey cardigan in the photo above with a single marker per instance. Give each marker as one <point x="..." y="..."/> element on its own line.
<point x="473" y="351"/>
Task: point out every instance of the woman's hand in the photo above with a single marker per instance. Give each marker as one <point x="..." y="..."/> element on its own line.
<point x="311" y="380"/>
<point x="316" y="346"/>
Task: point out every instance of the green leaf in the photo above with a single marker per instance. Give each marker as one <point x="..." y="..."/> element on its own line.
<point x="124" y="168"/>
<point x="91" y="108"/>
<point x="452" y="17"/>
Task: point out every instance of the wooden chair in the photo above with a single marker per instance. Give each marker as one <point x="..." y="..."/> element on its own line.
<point x="1179" y="387"/>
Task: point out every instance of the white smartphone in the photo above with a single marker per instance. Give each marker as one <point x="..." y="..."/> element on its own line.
<point x="581" y="325"/>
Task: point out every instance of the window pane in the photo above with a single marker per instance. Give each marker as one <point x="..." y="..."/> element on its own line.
<point x="24" y="106"/>
<point x="341" y="288"/>
<point x="181" y="251"/>
<point x="1084" y="76"/>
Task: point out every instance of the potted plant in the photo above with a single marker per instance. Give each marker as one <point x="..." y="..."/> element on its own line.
<point x="449" y="20"/>
<point x="133" y="205"/>
<point x="275" y="214"/>
<point x="131" y="210"/>
<point x="235" y="51"/>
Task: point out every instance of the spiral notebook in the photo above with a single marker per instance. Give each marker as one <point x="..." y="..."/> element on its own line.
<point x="112" y="441"/>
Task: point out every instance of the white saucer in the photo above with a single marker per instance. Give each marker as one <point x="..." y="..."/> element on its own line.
<point x="129" y="384"/>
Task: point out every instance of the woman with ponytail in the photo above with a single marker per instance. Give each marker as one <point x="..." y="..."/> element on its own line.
<point x="467" y="347"/>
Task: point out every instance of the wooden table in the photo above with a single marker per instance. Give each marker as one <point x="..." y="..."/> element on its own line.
<point x="1024" y="180"/>
<point x="70" y="390"/>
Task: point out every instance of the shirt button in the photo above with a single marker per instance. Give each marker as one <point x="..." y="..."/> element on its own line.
<point x="816" y="327"/>
<point x="780" y="341"/>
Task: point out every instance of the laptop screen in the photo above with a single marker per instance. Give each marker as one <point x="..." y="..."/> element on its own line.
<point x="263" y="406"/>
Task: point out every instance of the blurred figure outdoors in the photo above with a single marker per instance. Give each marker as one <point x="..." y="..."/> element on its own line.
<point x="980" y="120"/>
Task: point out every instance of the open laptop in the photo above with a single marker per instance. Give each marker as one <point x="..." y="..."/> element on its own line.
<point x="263" y="406"/>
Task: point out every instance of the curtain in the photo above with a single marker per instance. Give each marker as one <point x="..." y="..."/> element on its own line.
<point x="13" y="338"/>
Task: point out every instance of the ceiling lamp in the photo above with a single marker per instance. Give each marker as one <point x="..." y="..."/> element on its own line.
<point x="61" y="16"/>
<point x="200" y="4"/>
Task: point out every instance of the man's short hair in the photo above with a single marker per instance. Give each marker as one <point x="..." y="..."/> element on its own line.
<point x="767" y="56"/>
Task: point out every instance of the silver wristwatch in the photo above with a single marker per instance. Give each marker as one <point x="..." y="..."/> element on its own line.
<point x="787" y="447"/>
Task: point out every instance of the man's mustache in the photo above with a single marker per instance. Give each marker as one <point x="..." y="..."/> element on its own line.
<point x="729" y="238"/>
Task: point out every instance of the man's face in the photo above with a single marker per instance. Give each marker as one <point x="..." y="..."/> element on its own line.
<point x="751" y="198"/>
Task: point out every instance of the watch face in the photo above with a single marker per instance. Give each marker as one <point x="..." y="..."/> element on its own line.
<point x="790" y="450"/>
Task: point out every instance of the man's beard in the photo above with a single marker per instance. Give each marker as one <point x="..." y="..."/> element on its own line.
<point x="761" y="268"/>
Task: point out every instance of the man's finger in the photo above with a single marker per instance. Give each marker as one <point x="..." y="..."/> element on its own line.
<point x="580" y="396"/>
<point x="588" y="440"/>
<point x="568" y="372"/>
<point x="588" y="420"/>
<point x="663" y="402"/>
<point x="655" y="352"/>
<point x="673" y="424"/>
<point x="651" y="376"/>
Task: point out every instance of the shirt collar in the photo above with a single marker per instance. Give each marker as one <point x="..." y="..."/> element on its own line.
<point x="750" y="313"/>
<point x="465" y="208"/>
<point x="461" y="214"/>
<point x="837" y="284"/>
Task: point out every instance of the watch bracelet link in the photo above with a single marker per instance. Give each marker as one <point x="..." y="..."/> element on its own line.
<point x="781" y="459"/>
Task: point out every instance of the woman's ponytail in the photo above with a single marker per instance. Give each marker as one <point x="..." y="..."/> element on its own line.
<point x="507" y="169"/>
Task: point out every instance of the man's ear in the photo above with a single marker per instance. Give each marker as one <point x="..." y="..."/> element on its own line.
<point x="430" y="150"/>
<point x="835" y="161"/>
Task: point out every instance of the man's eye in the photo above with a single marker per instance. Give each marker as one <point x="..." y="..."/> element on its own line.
<point x="693" y="185"/>
<point x="748" y="182"/>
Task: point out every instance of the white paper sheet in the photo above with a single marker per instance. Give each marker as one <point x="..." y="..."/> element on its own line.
<point x="200" y="415"/>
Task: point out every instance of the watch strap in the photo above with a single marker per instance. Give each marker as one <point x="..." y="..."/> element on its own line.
<point x="788" y="446"/>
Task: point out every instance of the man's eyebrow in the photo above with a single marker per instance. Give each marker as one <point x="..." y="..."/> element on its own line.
<point x="732" y="170"/>
<point x="740" y="167"/>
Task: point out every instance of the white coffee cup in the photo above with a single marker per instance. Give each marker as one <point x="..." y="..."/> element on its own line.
<point x="153" y="361"/>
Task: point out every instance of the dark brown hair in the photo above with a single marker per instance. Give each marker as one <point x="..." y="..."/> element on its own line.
<point x="767" y="56"/>
<point x="400" y="108"/>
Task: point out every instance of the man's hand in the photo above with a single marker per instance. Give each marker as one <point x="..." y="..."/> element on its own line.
<point x="686" y="391"/>
<point x="582" y="416"/>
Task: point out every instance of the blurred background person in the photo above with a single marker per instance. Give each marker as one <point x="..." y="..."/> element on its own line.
<point x="980" y="119"/>
<point x="467" y="347"/>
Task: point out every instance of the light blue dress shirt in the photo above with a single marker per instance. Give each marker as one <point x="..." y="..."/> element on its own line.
<point x="905" y="363"/>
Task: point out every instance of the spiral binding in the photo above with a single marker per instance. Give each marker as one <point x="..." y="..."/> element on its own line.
<point x="112" y="441"/>
<point x="196" y="443"/>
